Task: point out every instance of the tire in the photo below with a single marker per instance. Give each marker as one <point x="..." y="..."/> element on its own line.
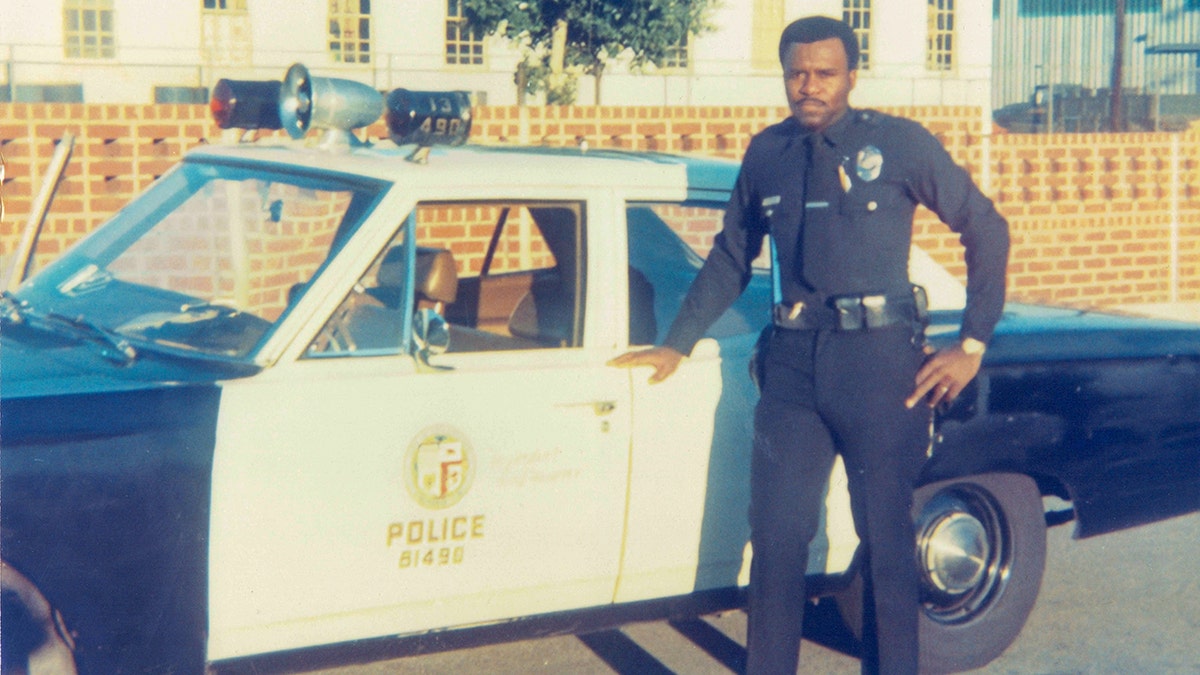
<point x="35" y="640"/>
<point x="976" y="592"/>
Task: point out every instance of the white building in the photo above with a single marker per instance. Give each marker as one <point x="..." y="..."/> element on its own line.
<point x="917" y="52"/>
<point x="1050" y="42"/>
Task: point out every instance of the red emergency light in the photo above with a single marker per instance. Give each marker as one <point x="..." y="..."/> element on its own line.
<point x="246" y="104"/>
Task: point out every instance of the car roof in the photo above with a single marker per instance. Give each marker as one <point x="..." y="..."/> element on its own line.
<point x="704" y="178"/>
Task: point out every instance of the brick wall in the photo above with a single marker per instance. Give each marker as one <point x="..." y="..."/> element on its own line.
<point x="1097" y="219"/>
<point x="119" y="151"/>
<point x="467" y="232"/>
<point x="1092" y="215"/>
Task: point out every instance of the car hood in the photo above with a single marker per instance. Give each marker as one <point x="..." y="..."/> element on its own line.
<point x="34" y="363"/>
<point x="1041" y="333"/>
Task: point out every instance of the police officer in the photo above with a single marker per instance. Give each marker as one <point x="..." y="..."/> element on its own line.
<point x="842" y="368"/>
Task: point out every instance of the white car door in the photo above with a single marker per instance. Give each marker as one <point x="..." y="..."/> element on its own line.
<point x="357" y="493"/>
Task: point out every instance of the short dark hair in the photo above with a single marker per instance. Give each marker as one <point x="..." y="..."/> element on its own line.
<point x="814" y="29"/>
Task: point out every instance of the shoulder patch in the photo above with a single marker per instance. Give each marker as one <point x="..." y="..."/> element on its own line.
<point x="869" y="116"/>
<point x="877" y="118"/>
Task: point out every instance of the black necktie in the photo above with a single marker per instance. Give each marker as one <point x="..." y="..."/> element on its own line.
<point x="821" y="193"/>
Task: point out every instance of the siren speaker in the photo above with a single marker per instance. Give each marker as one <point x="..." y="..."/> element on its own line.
<point x="307" y="102"/>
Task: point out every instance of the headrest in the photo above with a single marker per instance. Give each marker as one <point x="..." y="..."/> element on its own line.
<point x="545" y="316"/>
<point x="437" y="276"/>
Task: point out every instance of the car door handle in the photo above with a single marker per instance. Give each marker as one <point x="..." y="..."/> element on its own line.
<point x="601" y="408"/>
<point x="604" y="407"/>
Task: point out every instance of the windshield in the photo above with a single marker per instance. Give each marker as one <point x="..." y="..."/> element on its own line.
<point x="209" y="260"/>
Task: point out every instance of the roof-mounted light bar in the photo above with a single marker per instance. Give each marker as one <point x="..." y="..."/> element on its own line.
<point x="299" y="103"/>
<point x="428" y="118"/>
<point x="302" y="102"/>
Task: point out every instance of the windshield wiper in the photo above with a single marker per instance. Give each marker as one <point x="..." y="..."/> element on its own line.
<point x="113" y="346"/>
<point x="218" y="309"/>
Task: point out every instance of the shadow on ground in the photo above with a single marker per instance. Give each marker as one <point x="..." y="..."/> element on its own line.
<point x="822" y="625"/>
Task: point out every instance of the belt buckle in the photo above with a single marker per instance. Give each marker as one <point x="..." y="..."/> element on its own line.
<point x="874" y="311"/>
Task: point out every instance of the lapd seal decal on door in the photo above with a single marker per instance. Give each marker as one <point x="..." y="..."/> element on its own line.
<point x="439" y="467"/>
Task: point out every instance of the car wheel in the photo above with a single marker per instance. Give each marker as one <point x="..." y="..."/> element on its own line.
<point x="980" y="554"/>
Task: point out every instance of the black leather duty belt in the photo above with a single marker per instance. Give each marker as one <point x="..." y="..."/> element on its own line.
<point x="848" y="313"/>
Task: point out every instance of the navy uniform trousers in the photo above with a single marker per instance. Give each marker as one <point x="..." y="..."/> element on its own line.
<point x="827" y="392"/>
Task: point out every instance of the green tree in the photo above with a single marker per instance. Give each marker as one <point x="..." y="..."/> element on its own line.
<point x="562" y="37"/>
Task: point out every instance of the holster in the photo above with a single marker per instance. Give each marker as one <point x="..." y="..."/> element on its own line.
<point x="759" y="355"/>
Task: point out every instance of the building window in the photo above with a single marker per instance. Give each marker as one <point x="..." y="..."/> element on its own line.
<point x="857" y="13"/>
<point x="940" y="55"/>
<point x="766" y="23"/>
<point x="677" y="56"/>
<point x="350" y="30"/>
<point x="48" y="93"/>
<point x="226" y="37"/>
<point x="225" y="5"/>
<point x="464" y="45"/>
<point x="175" y="94"/>
<point x="88" y="29"/>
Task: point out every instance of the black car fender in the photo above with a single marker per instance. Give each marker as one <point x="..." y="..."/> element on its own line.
<point x="970" y="438"/>
<point x="105" y="509"/>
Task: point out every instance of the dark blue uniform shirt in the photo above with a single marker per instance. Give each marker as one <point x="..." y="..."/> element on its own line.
<point x="870" y="170"/>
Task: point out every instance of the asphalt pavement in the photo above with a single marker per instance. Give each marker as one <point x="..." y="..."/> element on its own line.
<point x="1120" y="603"/>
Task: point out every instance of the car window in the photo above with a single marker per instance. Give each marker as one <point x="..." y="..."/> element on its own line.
<point x="209" y="260"/>
<point x="371" y="319"/>
<point x="697" y="224"/>
<point x="520" y="267"/>
<point x="694" y="225"/>
<point x="506" y="275"/>
<point x="194" y="246"/>
<point x="666" y="244"/>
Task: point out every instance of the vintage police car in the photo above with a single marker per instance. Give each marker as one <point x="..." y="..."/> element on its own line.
<point x="324" y="395"/>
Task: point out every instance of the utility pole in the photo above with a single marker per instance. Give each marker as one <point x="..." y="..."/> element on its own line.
<point x="1115" y="103"/>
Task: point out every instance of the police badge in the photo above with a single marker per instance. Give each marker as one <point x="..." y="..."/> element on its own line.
<point x="868" y="163"/>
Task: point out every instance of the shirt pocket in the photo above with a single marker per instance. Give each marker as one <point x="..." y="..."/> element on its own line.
<point x="875" y="200"/>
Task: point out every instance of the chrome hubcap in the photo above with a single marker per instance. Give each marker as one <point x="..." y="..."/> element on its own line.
<point x="964" y="553"/>
<point x="956" y="553"/>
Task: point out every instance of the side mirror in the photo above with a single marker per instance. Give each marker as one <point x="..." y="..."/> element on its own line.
<point x="431" y="334"/>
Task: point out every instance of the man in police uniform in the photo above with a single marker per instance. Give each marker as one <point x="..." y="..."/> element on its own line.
<point x="842" y="369"/>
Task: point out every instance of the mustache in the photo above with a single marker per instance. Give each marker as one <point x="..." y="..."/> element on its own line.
<point x="809" y="99"/>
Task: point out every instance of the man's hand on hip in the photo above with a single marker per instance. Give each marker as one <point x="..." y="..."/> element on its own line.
<point x="664" y="360"/>
<point x="945" y="374"/>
